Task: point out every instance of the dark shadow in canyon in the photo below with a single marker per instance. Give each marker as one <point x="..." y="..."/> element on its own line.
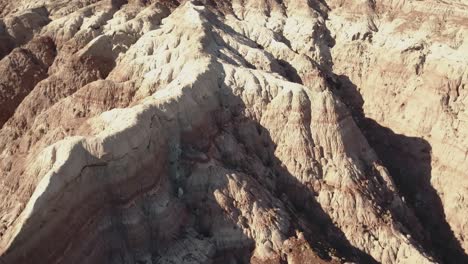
<point x="8" y="41"/>
<point x="7" y="44"/>
<point x="408" y="160"/>
<point x="319" y="229"/>
<point x="306" y="213"/>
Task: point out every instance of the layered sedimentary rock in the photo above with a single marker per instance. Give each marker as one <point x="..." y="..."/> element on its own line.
<point x="230" y="132"/>
<point x="409" y="82"/>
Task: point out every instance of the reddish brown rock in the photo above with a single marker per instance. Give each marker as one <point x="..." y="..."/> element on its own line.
<point x="227" y="132"/>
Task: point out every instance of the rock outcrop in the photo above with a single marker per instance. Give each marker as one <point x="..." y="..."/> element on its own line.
<point x="407" y="86"/>
<point x="254" y="131"/>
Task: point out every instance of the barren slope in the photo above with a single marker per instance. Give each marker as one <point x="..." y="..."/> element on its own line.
<point x="256" y="131"/>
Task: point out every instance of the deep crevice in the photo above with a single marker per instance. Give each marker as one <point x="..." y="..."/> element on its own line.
<point x="408" y="160"/>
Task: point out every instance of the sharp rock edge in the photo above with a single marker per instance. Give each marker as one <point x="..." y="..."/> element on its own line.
<point x="243" y="131"/>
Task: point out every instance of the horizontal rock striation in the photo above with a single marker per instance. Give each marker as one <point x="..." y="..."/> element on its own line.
<point x="229" y="132"/>
<point x="409" y="84"/>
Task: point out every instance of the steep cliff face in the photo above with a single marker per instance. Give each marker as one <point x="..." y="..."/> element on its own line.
<point x="232" y="132"/>
<point x="404" y="65"/>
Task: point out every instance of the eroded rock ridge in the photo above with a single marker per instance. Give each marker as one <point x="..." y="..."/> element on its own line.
<point x="243" y="131"/>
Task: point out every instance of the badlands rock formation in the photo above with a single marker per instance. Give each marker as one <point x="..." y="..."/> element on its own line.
<point x="243" y="131"/>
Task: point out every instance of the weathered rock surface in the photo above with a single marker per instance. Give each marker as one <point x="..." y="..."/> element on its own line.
<point x="254" y="131"/>
<point x="410" y="76"/>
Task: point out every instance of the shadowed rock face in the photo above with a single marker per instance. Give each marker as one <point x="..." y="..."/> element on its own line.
<point x="256" y="131"/>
